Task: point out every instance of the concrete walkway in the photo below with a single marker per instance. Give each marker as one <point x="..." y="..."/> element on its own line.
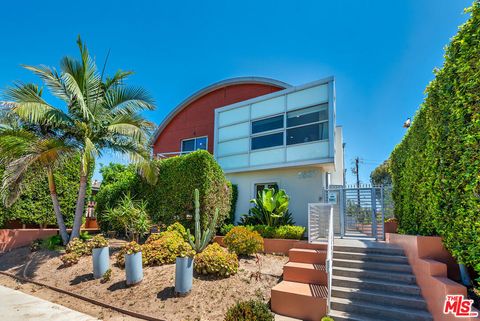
<point x="18" y="306"/>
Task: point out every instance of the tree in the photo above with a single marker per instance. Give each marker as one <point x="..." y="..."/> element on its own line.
<point x="98" y="115"/>
<point x="381" y="175"/>
<point x="24" y="146"/>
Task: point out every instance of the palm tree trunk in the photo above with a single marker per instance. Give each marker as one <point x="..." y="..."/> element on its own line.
<point x="56" y="207"/>
<point x="79" y="209"/>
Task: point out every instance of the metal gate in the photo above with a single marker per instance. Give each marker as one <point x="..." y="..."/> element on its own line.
<point x="362" y="210"/>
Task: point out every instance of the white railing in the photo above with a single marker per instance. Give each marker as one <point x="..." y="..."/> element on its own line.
<point x="329" y="260"/>
<point x="318" y="215"/>
<point x="169" y="154"/>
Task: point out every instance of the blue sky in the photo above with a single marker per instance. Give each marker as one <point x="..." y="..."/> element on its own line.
<point x="382" y="53"/>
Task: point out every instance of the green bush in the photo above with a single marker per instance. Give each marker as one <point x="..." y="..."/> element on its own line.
<point x="215" y="260"/>
<point x="129" y="248"/>
<point x="243" y="241"/>
<point x="268" y="232"/>
<point x="179" y="228"/>
<point x="289" y="232"/>
<point x="70" y="259"/>
<point x="326" y="318"/>
<point x="78" y="247"/>
<point x="52" y="243"/>
<point x="170" y="200"/>
<point x="270" y="208"/>
<point x="436" y="185"/>
<point x="165" y="249"/>
<point x="253" y="310"/>
<point x="224" y="229"/>
<point x="97" y="242"/>
<point x="233" y="205"/>
<point x="35" y="204"/>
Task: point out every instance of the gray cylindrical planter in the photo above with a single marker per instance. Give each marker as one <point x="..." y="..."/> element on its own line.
<point x="183" y="275"/>
<point x="133" y="268"/>
<point x="101" y="261"/>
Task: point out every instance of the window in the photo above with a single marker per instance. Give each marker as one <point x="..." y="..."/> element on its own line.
<point x="267" y="132"/>
<point x="190" y="145"/>
<point x="307" y="125"/>
<point x="302" y="126"/>
<point x="261" y="186"/>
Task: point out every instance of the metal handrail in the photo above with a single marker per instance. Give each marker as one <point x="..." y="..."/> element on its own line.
<point x="329" y="260"/>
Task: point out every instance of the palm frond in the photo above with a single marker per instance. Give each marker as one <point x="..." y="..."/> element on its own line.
<point x="128" y="100"/>
<point x="117" y="79"/>
<point x="52" y="80"/>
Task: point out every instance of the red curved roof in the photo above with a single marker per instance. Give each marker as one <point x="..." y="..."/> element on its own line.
<point x="195" y="116"/>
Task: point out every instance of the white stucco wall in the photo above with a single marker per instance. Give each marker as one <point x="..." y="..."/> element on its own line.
<point x="303" y="184"/>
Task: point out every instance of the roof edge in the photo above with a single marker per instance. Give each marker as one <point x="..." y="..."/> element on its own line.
<point x="209" y="89"/>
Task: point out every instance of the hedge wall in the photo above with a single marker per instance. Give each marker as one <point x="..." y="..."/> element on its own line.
<point x="35" y="204"/>
<point x="436" y="167"/>
<point x="171" y="199"/>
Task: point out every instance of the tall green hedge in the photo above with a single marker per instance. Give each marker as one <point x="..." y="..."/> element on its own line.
<point x="35" y="204"/>
<point x="171" y="199"/>
<point x="436" y="167"/>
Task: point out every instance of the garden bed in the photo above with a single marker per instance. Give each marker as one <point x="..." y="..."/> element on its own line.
<point x="209" y="299"/>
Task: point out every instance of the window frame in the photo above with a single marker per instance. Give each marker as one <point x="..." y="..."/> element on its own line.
<point x="195" y="144"/>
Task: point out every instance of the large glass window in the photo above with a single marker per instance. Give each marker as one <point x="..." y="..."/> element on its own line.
<point x="261" y="186"/>
<point x="266" y="141"/>
<point x="190" y="145"/>
<point x="304" y="125"/>
<point x="307" y="125"/>
<point x="267" y="124"/>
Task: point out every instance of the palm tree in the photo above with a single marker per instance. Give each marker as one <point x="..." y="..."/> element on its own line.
<point x="25" y="146"/>
<point x="98" y="115"/>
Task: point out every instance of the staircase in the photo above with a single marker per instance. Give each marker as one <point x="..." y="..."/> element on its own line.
<point x="374" y="281"/>
<point x="303" y="292"/>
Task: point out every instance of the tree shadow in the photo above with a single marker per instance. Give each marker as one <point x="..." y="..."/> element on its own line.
<point x="117" y="286"/>
<point x="24" y="263"/>
<point x="82" y="278"/>
<point x="166" y="293"/>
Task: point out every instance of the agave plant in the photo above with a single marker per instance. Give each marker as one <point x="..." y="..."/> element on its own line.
<point x="270" y="208"/>
<point x="97" y="115"/>
<point x="201" y="239"/>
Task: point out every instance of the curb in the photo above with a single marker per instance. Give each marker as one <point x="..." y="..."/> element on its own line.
<point x="87" y="299"/>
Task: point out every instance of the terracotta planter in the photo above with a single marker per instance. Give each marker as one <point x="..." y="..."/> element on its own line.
<point x="391" y="227"/>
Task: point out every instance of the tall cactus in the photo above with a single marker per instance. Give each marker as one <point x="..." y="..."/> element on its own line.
<point x="201" y="238"/>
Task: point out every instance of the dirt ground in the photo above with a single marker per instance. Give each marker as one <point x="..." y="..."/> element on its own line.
<point x="208" y="301"/>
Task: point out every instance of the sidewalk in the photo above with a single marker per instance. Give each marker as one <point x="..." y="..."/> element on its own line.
<point x="18" y="306"/>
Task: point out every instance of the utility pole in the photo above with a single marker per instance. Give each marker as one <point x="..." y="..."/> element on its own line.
<point x="357" y="161"/>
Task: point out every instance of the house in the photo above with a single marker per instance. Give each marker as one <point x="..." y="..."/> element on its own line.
<point x="263" y="133"/>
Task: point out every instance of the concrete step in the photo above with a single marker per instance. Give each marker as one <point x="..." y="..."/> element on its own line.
<point x="384" y="249"/>
<point x="307" y="256"/>
<point x="372" y="266"/>
<point x="379" y="311"/>
<point x="303" y="301"/>
<point x="375" y="285"/>
<point x="380" y="297"/>
<point x="305" y="273"/>
<point x="346" y="316"/>
<point x="403" y="278"/>
<point x="399" y="259"/>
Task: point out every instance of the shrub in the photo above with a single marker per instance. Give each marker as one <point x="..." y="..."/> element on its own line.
<point x="242" y="241"/>
<point x="253" y="310"/>
<point x="233" y="205"/>
<point x="106" y="276"/>
<point x="129" y="216"/>
<point x="97" y="242"/>
<point x="52" y="243"/>
<point x="327" y="318"/>
<point x="35" y="203"/>
<point x="170" y="200"/>
<point x="265" y="231"/>
<point x="179" y="228"/>
<point x="36" y="245"/>
<point x="165" y="249"/>
<point x="78" y="247"/>
<point x="153" y="237"/>
<point x="434" y="169"/>
<point x="70" y="259"/>
<point x="85" y="236"/>
<point x="289" y="232"/>
<point x="215" y="260"/>
<point x="129" y="248"/>
<point x="224" y="229"/>
<point x="271" y="208"/>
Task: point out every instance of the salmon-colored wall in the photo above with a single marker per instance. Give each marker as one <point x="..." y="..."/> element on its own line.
<point x="434" y="269"/>
<point x="13" y="238"/>
<point x="198" y="118"/>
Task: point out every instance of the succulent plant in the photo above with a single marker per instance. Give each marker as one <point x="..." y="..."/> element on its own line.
<point x="201" y="239"/>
